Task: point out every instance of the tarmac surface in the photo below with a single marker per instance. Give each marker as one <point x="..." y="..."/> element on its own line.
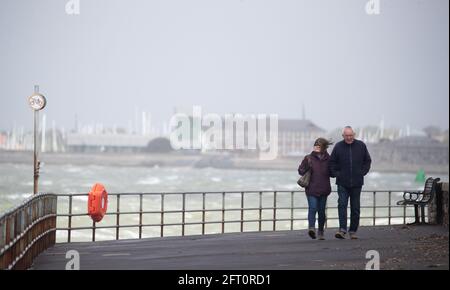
<point x="399" y="247"/>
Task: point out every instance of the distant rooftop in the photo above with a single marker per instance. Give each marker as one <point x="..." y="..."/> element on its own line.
<point x="417" y="140"/>
<point x="299" y="125"/>
<point x="116" y="140"/>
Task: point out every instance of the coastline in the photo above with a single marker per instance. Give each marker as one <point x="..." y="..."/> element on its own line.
<point x="178" y="159"/>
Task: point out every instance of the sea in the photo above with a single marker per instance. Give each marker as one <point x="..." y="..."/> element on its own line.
<point x="16" y="184"/>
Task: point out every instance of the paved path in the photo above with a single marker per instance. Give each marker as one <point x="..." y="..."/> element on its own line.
<point x="400" y="247"/>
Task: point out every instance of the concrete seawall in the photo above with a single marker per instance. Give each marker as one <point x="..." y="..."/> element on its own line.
<point x="438" y="208"/>
<point x="177" y="159"/>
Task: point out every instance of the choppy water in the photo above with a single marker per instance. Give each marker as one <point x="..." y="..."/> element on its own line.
<point x="16" y="182"/>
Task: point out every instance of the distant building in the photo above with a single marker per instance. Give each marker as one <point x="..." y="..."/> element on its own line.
<point x="411" y="150"/>
<point x="159" y="145"/>
<point x="77" y="142"/>
<point x="296" y="136"/>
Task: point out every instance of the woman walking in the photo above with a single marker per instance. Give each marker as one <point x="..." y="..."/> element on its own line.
<point x="319" y="186"/>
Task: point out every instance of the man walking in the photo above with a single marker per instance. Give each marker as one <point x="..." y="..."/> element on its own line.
<point x="349" y="163"/>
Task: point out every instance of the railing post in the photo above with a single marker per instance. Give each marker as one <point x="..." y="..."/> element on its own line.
<point x="2" y="241"/>
<point x="242" y="212"/>
<point x="118" y="216"/>
<point x="374" y="207"/>
<point x="93" y="231"/>
<point x="9" y="237"/>
<point x="183" y="214"/>
<point x="223" y="212"/>
<point x="274" y="211"/>
<point x="54" y="219"/>
<point x="292" y="210"/>
<point x="404" y="214"/>
<point x="389" y="208"/>
<point x="69" y="223"/>
<point x="162" y="214"/>
<point x="140" y="216"/>
<point x="260" y="210"/>
<point x="203" y="213"/>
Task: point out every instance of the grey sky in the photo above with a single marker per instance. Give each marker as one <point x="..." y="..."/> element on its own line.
<point x="245" y="56"/>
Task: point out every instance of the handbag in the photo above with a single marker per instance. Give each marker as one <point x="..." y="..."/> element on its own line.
<point x="303" y="181"/>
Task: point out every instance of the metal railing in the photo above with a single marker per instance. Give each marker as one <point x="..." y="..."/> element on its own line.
<point x="27" y="230"/>
<point x="274" y="209"/>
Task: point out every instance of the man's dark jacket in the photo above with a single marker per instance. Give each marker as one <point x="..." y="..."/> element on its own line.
<point x="349" y="163"/>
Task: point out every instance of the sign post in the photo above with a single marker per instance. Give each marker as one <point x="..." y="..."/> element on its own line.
<point x="37" y="102"/>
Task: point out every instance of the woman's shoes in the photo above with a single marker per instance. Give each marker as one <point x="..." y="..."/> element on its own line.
<point x="312" y="233"/>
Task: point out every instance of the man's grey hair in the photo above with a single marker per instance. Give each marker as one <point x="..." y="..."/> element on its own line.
<point x="348" y="127"/>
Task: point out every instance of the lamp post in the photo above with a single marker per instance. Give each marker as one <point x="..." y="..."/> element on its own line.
<point x="37" y="102"/>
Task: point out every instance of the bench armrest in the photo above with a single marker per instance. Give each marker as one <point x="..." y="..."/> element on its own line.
<point x="412" y="195"/>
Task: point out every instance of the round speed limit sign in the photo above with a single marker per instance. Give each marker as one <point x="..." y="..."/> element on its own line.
<point x="37" y="102"/>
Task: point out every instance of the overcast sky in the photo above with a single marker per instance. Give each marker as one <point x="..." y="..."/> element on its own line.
<point x="242" y="56"/>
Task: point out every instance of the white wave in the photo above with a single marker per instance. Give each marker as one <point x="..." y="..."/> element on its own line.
<point x="149" y="181"/>
<point x="80" y="198"/>
<point x="216" y="179"/>
<point x="46" y="182"/>
<point x="73" y="169"/>
<point x="18" y="196"/>
<point x="290" y="186"/>
<point x="407" y="184"/>
<point x="374" y="174"/>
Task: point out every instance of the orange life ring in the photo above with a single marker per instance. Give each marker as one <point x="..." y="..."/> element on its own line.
<point x="97" y="202"/>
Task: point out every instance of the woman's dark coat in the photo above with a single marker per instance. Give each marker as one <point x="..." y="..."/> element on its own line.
<point x="319" y="183"/>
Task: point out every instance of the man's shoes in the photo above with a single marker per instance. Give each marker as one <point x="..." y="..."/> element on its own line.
<point x="353" y="236"/>
<point x="312" y="233"/>
<point x="340" y="235"/>
<point x="320" y="236"/>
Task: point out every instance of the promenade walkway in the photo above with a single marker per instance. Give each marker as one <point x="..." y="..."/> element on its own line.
<point x="400" y="247"/>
